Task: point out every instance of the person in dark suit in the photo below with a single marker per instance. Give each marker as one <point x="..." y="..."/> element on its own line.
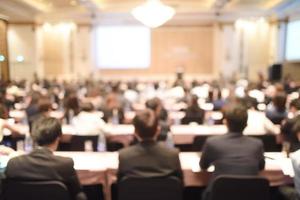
<point x="148" y="158"/>
<point x="288" y="127"/>
<point x="276" y="110"/>
<point x="233" y="153"/>
<point x="161" y="113"/>
<point x="193" y="112"/>
<point x="41" y="164"/>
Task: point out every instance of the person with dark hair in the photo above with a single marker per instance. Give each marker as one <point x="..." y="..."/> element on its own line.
<point x="289" y="192"/>
<point x="276" y="110"/>
<point x="44" y="107"/>
<point x="88" y="122"/>
<point x="41" y="164"/>
<point x="296" y="161"/>
<point x="233" y="153"/>
<point x="71" y="106"/>
<point x="113" y="110"/>
<point x="257" y="120"/>
<point x="287" y="128"/>
<point x="32" y="108"/>
<point x="193" y="112"/>
<point x="148" y="158"/>
<point x="161" y="114"/>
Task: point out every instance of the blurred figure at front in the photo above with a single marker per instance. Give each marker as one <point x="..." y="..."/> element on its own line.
<point x="193" y="112"/>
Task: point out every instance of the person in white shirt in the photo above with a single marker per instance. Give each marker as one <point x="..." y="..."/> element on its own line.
<point x="259" y="123"/>
<point x="5" y="125"/>
<point x="88" y="121"/>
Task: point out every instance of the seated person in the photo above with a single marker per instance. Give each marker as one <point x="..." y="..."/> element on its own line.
<point x="276" y="110"/>
<point x="219" y="102"/>
<point x="5" y="125"/>
<point x="288" y="130"/>
<point x="291" y="193"/>
<point x="71" y="107"/>
<point x="233" y="153"/>
<point x="193" y="112"/>
<point x="44" y="108"/>
<point x="257" y="121"/>
<point x="32" y="109"/>
<point x="88" y="122"/>
<point x="113" y="111"/>
<point x="161" y="114"/>
<point x="41" y="164"/>
<point x="148" y="158"/>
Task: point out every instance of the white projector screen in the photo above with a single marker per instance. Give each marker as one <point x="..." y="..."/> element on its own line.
<point x="122" y="47"/>
<point x="292" y="52"/>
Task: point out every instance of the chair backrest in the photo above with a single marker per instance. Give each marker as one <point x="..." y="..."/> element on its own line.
<point x="84" y="142"/>
<point x="34" y="190"/>
<point x="114" y="146"/>
<point x="240" y="187"/>
<point x="198" y="142"/>
<point x="166" y="188"/>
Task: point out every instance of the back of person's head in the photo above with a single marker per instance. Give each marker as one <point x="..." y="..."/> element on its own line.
<point x="44" y="105"/>
<point x="194" y="101"/>
<point x="112" y="101"/>
<point x="279" y="101"/>
<point x="236" y="117"/>
<point x="296" y="128"/>
<point x="35" y="97"/>
<point x="146" y="124"/>
<point x="87" y="107"/>
<point x="72" y="102"/>
<point x="46" y="130"/>
<point x="295" y="104"/>
<point x="153" y="104"/>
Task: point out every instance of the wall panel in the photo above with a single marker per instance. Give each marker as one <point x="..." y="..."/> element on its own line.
<point x="190" y="48"/>
<point x="4" y="69"/>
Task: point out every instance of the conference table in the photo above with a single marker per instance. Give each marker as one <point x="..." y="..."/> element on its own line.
<point x="101" y="168"/>
<point x="95" y="168"/>
<point x="181" y="134"/>
<point x="174" y="116"/>
<point x="124" y="133"/>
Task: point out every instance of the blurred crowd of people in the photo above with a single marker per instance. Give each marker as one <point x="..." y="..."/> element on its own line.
<point x="89" y="104"/>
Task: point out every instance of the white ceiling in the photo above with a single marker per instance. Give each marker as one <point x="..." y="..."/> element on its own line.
<point x="118" y="11"/>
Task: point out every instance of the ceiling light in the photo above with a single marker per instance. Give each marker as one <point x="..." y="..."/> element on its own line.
<point x="73" y="3"/>
<point x="2" y="58"/>
<point x="153" y="13"/>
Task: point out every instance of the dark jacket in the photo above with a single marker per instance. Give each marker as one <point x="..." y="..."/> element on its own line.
<point x="42" y="165"/>
<point x="289" y="134"/>
<point x="193" y="114"/>
<point x="149" y="159"/>
<point x="233" y="154"/>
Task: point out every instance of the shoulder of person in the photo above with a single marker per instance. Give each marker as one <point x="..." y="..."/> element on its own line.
<point x="254" y="140"/>
<point x="166" y="149"/>
<point x="128" y="150"/>
<point x="214" y="139"/>
<point x="64" y="161"/>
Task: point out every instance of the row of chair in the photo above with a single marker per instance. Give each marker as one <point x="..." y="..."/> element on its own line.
<point x="171" y="188"/>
